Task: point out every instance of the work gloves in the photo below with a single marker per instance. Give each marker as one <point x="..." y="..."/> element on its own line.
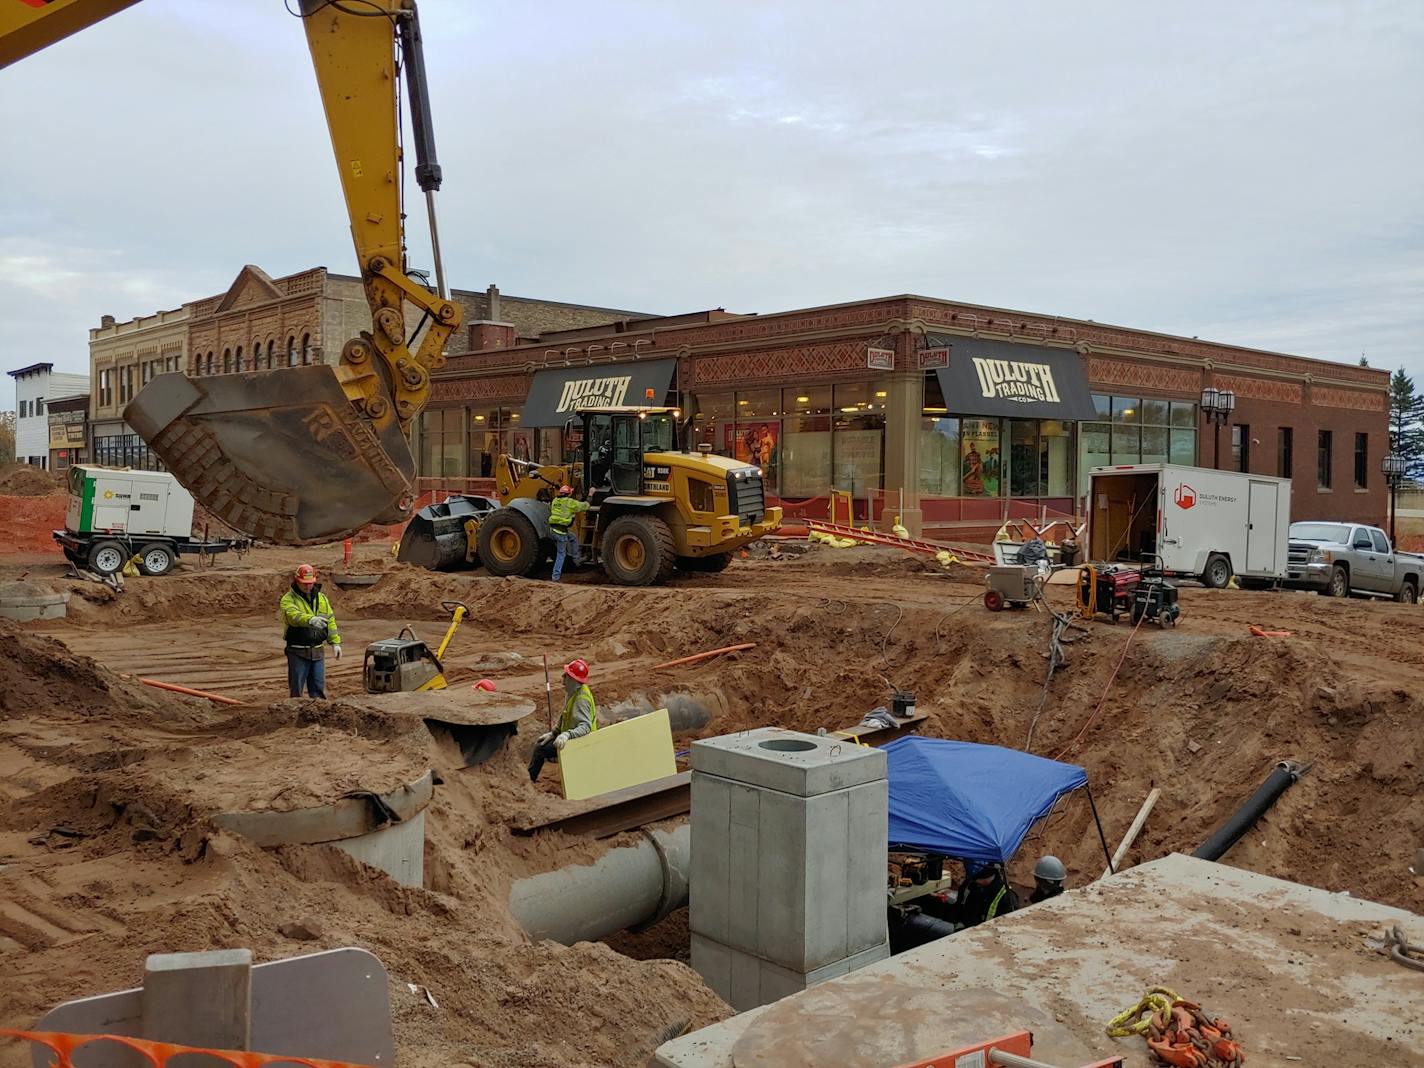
<point x="558" y="740"/>
<point x="561" y="741"/>
<point x="319" y="624"/>
<point x="545" y="738"/>
<point x="337" y="650"/>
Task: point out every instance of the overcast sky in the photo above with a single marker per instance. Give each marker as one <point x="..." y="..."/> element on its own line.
<point x="1246" y="173"/>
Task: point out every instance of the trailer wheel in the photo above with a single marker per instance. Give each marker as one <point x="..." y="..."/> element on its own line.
<point x="106" y="557"/>
<point x="156" y="559"/>
<point x="994" y="600"/>
<point x="1407" y="593"/>
<point x="1217" y="573"/>
<point x="638" y="550"/>
<point x="509" y="544"/>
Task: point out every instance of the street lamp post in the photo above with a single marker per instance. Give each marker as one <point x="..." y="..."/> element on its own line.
<point x="1393" y="467"/>
<point x="1217" y="406"/>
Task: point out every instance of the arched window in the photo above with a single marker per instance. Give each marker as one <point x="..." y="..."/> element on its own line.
<point x="306" y="349"/>
<point x="237" y="360"/>
<point x="210" y="361"/>
<point x="291" y="352"/>
<point x="227" y="361"/>
<point x="271" y="352"/>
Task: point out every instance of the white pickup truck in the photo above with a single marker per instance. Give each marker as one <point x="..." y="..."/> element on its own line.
<point x="1339" y="559"/>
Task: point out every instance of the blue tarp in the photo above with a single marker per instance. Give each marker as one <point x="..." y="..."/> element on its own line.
<point x="973" y="802"/>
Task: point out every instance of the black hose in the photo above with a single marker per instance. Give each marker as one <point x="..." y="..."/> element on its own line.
<point x="910" y="929"/>
<point x="1229" y="833"/>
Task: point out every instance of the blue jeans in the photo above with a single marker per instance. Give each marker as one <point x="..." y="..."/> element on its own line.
<point x="566" y="542"/>
<point x="304" y="674"/>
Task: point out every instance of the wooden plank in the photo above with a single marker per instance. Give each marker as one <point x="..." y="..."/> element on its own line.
<point x="621" y="810"/>
<point x="623" y="754"/>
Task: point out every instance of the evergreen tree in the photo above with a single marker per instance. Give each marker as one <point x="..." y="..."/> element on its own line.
<point x="1406" y="424"/>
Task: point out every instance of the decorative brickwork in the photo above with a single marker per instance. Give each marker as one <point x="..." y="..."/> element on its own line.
<point x="777" y="365"/>
<point x="850" y="317"/>
<point x="446" y="392"/>
<point x="1266" y="389"/>
<point x="1150" y="376"/>
<point x="1347" y="398"/>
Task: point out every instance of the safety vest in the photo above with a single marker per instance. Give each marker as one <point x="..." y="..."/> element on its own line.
<point x="994" y="905"/>
<point x="562" y="511"/>
<point x="566" y="721"/>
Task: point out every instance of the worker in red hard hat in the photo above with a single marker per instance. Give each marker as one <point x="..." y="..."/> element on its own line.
<point x="563" y="511"/>
<point x="580" y="717"/>
<point x="309" y="626"/>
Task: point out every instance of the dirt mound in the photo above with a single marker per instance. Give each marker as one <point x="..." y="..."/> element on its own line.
<point x="26" y="522"/>
<point x="105" y="792"/>
<point x="23" y="480"/>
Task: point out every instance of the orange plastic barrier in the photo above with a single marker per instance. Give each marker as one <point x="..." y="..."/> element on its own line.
<point x="158" y="1054"/>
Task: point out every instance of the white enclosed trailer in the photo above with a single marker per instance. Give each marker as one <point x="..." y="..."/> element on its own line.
<point x="1196" y="522"/>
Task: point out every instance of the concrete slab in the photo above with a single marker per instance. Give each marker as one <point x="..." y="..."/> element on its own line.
<point x="794" y="763"/>
<point x="1287" y="964"/>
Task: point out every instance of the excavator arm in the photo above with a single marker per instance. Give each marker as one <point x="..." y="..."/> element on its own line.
<point x="307" y="454"/>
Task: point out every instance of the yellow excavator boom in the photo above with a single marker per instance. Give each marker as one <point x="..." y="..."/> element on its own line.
<point x="307" y="454"/>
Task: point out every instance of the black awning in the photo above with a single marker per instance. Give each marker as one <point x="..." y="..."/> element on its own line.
<point x="1009" y="379"/>
<point x="557" y="392"/>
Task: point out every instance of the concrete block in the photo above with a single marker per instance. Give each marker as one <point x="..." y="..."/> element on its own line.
<point x="745" y="981"/>
<point x="709" y="889"/>
<point x="199" y="999"/>
<point x="788" y="761"/>
<point x="397" y="849"/>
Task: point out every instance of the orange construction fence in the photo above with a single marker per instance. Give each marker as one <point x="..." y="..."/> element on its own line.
<point x="63" y="1046"/>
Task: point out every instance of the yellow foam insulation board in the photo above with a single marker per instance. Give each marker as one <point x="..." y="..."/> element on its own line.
<point x="627" y="753"/>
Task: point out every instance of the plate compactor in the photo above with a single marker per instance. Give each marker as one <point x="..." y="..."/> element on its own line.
<point x="405" y="663"/>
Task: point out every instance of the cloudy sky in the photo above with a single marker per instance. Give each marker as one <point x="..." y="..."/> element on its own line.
<point x="1247" y="173"/>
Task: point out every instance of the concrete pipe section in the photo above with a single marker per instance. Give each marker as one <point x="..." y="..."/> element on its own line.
<point x="627" y="887"/>
<point x="26" y="601"/>
<point x="386" y="831"/>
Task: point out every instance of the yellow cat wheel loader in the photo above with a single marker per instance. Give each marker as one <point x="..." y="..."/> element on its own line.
<point x="653" y="508"/>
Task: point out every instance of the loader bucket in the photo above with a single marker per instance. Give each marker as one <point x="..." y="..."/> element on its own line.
<point x="281" y="455"/>
<point x="437" y="536"/>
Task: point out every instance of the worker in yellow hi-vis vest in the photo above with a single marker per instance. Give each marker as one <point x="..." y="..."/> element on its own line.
<point x="580" y="717"/>
<point x="985" y="894"/>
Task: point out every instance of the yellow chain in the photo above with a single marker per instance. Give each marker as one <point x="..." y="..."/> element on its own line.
<point x="1158" y="999"/>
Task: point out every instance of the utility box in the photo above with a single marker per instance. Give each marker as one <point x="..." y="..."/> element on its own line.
<point x="789" y="839"/>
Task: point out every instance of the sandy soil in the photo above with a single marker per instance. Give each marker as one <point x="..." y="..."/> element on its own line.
<point x="129" y="775"/>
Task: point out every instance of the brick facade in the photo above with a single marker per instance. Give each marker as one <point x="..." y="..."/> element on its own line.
<point x="717" y="351"/>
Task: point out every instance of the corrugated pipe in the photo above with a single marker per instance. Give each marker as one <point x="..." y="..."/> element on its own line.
<point x="631" y="886"/>
<point x="1256" y="806"/>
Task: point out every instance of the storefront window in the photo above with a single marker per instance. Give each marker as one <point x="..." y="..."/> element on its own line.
<point x="441" y="444"/>
<point x="1023" y="458"/>
<point x="981" y="458"/>
<point x="496" y="430"/>
<point x="1126" y="444"/>
<point x="763" y="402"/>
<point x="806" y="452"/>
<point x="1184" y="447"/>
<point x="1154" y="445"/>
<point x="858" y="445"/>
<point x="1055" y="451"/>
<point x="939" y="456"/>
<point x="1141" y="431"/>
<point x="1095" y="449"/>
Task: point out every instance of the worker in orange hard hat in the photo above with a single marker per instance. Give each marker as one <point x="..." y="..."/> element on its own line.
<point x="309" y="626"/>
<point x="580" y="717"/>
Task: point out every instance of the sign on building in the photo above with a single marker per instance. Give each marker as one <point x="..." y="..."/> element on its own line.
<point x="880" y="359"/>
<point x="933" y="358"/>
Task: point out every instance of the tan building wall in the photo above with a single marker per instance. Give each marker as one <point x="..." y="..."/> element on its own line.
<point x="123" y="357"/>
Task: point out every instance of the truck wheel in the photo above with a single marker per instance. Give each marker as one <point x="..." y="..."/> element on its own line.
<point x="719" y="562"/>
<point x="509" y="544"/>
<point x="638" y="550"/>
<point x="106" y="557"/>
<point x="156" y="559"/>
<point x="1217" y="573"/>
<point x="1407" y="593"/>
<point x="1339" y="585"/>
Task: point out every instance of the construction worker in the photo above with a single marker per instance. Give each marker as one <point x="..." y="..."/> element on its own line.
<point x="309" y="626"/>
<point x="1049" y="876"/>
<point x="580" y="717"/>
<point x="562" y="512"/>
<point x="984" y="895"/>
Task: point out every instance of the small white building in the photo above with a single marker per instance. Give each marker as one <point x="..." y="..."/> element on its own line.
<point x="35" y="385"/>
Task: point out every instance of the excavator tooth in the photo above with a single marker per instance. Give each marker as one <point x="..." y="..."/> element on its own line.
<point x="281" y="455"/>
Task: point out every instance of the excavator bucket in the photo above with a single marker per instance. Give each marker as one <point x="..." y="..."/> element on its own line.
<point x="281" y="455"/>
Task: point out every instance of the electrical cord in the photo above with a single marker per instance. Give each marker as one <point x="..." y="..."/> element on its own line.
<point x="1106" y="690"/>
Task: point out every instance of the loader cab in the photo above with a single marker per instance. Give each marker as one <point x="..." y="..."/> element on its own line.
<point x="614" y="441"/>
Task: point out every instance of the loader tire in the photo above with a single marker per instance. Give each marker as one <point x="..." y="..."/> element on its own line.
<point x="638" y="550"/>
<point x="509" y="544"/>
<point x="719" y="562"/>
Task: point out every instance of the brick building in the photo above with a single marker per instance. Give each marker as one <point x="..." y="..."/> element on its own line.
<point x="885" y="399"/>
<point x="68" y="431"/>
<point x="123" y="356"/>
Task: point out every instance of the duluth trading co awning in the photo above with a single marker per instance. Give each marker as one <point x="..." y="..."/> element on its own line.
<point x="558" y="392"/>
<point x="1009" y="379"/>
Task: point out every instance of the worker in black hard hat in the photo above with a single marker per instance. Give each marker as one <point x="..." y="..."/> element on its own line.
<point x="1049" y="877"/>
<point x="984" y="895"/>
